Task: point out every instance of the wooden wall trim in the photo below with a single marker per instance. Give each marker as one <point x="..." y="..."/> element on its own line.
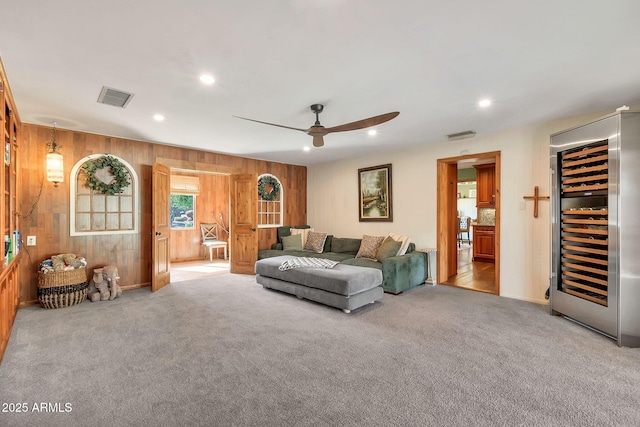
<point x="185" y="166"/>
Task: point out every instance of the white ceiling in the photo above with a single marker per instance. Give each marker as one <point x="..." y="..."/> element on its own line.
<point x="430" y="60"/>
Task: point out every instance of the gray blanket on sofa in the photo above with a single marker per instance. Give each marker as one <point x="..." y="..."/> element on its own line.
<point x="300" y="262"/>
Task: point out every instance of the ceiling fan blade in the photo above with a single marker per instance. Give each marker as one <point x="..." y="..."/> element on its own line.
<point x="272" y="124"/>
<point x="364" y="123"/>
<point x="318" y="141"/>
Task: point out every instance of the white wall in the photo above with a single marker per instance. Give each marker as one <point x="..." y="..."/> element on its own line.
<point x="332" y="198"/>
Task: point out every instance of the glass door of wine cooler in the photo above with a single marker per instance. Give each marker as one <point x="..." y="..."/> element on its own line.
<point x="584" y="198"/>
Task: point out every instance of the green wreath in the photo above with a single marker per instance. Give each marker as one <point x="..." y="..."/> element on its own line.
<point x="120" y="181"/>
<point x="265" y="182"/>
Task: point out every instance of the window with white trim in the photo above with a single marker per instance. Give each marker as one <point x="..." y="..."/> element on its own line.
<point x="270" y="201"/>
<point x="94" y="213"/>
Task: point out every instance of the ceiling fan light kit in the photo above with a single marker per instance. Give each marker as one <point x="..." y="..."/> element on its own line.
<point x="317" y="131"/>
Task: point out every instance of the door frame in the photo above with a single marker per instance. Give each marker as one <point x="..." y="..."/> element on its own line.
<point x="198" y="167"/>
<point x="446" y="214"/>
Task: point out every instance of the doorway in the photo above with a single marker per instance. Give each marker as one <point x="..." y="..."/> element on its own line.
<point x="198" y="198"/>
<point x="218" y="209"/>
<point x="462" y="266"/>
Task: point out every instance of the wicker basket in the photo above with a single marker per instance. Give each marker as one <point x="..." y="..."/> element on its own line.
<point x="63" y="288"/>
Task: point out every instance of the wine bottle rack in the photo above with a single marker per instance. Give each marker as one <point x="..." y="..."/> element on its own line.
<point x="584" y="222"/>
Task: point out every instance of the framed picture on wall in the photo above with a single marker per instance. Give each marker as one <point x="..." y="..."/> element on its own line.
<point x="472" y="193"/>
<point x="374" y="186"/>
<point x="182" y="211"/>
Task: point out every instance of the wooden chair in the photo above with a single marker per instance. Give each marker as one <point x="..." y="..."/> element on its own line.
<point x="464" y="224"/>
<point x="210" y="240"/>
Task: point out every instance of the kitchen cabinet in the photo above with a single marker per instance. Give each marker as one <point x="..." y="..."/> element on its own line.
<point x="484" y="238"/>
<point x="486" y="185"/>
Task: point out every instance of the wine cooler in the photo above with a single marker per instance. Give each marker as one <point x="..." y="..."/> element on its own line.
<point x="595" y="226"/>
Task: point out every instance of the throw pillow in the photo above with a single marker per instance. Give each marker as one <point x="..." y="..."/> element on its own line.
<point x="388" y="249"/>
<point x="369" y="246"/>
<point x="404" y="240"/>
<point x="327" y="243"/>
<point x="345" y="245"/>
<point x="304" y="232"/>
<point x="315" y="242"/>
<point x="292" y="242"/>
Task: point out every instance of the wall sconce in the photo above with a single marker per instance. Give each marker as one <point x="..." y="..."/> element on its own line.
<point x="55" y="162"/>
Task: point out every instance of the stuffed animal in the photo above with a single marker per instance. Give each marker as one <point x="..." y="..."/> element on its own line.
<point x="58" y="263"/>
<point x="64" y="262"/>
<point x="110" y="274"/>
<point x="98" y="287"/>
<point x="74" y="261"/>
<point x="104" y="284"/>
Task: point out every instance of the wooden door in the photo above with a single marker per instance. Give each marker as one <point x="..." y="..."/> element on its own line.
<point x="447" y="221"/>
<point x="160" y="228"/>
<point x="486" y="196"/>
<point x="243" y="194"/>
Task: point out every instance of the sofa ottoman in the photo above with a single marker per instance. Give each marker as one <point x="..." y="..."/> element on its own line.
<point x="345" y="287"/>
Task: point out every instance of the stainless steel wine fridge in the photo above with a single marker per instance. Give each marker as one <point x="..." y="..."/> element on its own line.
<point x="595" y="226"/>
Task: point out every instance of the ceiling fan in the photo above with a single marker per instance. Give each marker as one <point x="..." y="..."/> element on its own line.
<point x="317" y="131"/>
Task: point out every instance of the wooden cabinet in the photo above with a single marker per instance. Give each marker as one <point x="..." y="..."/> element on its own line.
<point x="9" y="171"/>
<point x="484" y="238"/>
<point x="9" y="283"/>
<point x="486" y="185"/>
<point x="9" y="299"/>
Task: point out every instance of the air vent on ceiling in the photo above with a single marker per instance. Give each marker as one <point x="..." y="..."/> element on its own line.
<point x="461" y="135"/>
<point x="114" y="97"/>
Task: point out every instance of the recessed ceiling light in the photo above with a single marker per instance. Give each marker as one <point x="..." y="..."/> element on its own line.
<point x="207" y="79"/>
<point x="158" y="117"/>
<point x="307" y="148"/>
<point x="484" y="102"/>
<point x="372" y="132"/>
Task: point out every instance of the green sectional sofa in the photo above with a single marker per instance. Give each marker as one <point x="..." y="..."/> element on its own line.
<point x="399" y="272"/>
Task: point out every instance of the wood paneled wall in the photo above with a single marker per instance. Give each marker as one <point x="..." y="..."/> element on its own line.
<point x="45" y="209"/>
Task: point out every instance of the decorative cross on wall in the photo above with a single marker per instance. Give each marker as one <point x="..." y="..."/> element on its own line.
<point x="536" y="197"/>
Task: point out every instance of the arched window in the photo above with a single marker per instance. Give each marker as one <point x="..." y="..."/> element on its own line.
<point x="270" y="201"/>
<point x="95" y="213"/>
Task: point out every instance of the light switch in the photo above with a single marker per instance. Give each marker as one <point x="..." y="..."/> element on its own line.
<point x="31" y="240"/>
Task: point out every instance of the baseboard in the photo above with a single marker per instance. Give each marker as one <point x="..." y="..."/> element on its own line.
<point x="136" y="286"/>
<point x="28" y="303"/>
<point x="534" y="300"/>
